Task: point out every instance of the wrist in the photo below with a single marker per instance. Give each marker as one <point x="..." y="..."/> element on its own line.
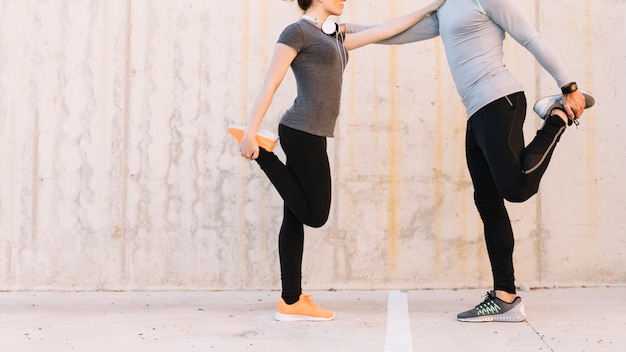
<point x="569" y="88"/>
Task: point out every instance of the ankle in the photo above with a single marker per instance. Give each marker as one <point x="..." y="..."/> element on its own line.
<point x="265" y="158"/>
<point x="505" y="296"/>
<point x="560" y="113"/>
<point x="291" y="299"/>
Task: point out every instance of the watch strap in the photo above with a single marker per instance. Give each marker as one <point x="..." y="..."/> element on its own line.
<point x="569" y="88"/>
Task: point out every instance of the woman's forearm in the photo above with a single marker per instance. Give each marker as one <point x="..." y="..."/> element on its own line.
<point x="410" y="28"/>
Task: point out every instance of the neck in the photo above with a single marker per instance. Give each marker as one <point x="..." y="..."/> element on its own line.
<point x="314" y="17"/>
<point x="313" y="20"/>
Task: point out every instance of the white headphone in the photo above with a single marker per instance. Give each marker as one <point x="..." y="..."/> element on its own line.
<point x="330" y="27"/>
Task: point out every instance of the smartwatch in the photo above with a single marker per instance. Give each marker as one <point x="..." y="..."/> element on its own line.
<point x="569" y="88"/>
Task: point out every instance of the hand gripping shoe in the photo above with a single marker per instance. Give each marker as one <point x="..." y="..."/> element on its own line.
<point x="266" y="139"/>
<point x="544" y="106"/>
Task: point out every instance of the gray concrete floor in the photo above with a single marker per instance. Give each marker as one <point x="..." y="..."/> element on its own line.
<point x="577" y="319"/>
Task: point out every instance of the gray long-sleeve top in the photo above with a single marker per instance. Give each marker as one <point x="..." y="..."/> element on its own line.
<point x="473" y="33"/>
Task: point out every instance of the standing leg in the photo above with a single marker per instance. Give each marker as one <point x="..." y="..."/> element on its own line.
<point x="290" y="249"/>
<point x="498" y="238"/>
<point x="497" y="225"/>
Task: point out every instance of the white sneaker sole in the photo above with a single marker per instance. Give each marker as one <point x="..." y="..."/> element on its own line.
<point x="515" y="315"/>
<point x="291" y="317"/>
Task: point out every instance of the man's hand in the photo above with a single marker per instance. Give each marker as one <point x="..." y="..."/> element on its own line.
<point x="574" y="104"/>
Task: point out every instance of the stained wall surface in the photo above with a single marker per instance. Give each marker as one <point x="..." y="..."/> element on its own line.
<point x="116" y="172"/>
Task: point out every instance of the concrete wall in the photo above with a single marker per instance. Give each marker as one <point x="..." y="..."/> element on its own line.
<point x="117" y="172"/>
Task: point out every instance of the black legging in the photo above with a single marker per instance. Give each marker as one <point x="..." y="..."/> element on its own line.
<point x="305" y="186"/>
<point x="501" y="168"/>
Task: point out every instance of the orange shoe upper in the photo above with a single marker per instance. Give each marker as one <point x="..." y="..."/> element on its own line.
<point x="304" y="307"/>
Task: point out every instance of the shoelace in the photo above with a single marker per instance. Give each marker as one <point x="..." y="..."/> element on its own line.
<point x="488" y="305"/>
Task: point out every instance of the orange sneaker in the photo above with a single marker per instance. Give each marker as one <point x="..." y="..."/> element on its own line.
<point x="304" y="309"/>
<point x="266" y="139"/>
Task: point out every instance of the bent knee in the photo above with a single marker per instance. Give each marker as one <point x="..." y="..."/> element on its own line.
<point x="317" y="220"/>
<point x="517" y="194"/>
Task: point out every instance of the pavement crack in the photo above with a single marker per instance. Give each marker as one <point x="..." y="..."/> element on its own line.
<point x="540" y="336"/>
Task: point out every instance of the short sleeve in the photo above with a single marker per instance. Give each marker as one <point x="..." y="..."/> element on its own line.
<point x="292" y="36"/>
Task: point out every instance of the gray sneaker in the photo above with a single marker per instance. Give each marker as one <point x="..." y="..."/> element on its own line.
<point x="495" y="309"/>
<point x="544" y="106"/>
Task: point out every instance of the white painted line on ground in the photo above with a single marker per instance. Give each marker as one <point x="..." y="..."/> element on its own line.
<point x="398" y="337"/>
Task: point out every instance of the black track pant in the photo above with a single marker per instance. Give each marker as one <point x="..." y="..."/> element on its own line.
<point x="304" y="183"/>
<point x="502" y="168"/>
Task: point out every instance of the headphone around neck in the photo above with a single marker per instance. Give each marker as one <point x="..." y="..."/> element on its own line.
<point x="328" y="27"/>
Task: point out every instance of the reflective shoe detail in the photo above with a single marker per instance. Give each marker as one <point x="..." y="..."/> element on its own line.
<point x="544" y="106"/>
<point x="304" y="309"/>
<point x="495" y="309"/>
<point x="266" y="139"/>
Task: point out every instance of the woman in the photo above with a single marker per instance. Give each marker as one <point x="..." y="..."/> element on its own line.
<point x="500" y="166"/>
<point x="316" y="50"/>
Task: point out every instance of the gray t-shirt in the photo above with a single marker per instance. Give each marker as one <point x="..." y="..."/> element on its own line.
<point x="318" y="69"/>
<point x="473" y="33"/>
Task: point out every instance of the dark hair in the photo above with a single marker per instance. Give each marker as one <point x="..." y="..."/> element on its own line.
<point x="304" y="4"/>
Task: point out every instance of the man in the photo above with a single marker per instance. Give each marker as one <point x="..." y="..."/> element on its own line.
<point x="500" y="166"/>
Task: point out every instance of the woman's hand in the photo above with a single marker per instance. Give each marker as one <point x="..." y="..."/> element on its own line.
<point x="435" y="5"/>
<point x="249" y="147"/>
